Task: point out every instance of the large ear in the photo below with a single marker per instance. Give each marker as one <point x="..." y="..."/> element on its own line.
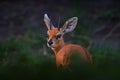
<point x="48" y="22"/>
<point x="70" y="25"/>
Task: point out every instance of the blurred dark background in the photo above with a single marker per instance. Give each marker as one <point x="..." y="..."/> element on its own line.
<point x="97" y="18"/>
<point x="23" y="50"/>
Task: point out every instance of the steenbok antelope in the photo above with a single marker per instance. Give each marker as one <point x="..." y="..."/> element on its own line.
<point x="56" y="42"/>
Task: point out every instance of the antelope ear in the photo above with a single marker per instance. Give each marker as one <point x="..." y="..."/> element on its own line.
<point x="70" y="25"/>
<point x="48" y="21"/>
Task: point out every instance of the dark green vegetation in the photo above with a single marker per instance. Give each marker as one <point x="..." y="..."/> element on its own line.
<point x="21" y="59"/>
<point x="27" y="57"/>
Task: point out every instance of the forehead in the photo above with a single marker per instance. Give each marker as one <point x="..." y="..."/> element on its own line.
<point x="53" y="32"/>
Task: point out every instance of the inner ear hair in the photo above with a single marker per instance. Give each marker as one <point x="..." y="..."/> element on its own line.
<point x="70" y="25"/>
<point x="48" y="22"/>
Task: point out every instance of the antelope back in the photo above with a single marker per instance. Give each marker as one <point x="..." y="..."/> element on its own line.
<point x="64" y="55"/>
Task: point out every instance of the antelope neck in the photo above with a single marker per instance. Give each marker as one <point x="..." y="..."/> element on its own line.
<point x="57" y="49"/>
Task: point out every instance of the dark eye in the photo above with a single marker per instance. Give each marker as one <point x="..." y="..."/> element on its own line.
<point x="58" y="36"/>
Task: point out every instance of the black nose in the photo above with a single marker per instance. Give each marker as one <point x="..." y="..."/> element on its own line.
<point x="50" y="42"/>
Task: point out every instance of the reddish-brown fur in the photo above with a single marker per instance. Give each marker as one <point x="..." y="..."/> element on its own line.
<point x="64" y="51"/>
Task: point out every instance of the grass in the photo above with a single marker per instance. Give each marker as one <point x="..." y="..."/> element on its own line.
<point x="20" y="59"/>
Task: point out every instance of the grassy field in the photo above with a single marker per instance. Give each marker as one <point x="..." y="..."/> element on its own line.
<point x="27" y="57"/>
<point x="20" y="58"/>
